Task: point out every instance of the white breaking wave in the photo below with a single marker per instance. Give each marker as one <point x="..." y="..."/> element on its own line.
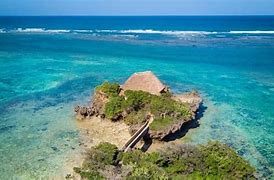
<point x="40" y="30"/>
<point x="83" y="31"/>
<point x="58" y="31"/>
<point x="178" y="33"/>
<point x="2" y="31"/>
<point x="251" y="32"/>
<point x="150" y="31"/>
<point x="37" y="30"/>
<point x="108" y="31"/>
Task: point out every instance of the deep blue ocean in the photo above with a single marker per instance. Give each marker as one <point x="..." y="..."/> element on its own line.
<point x="50" y="64"/>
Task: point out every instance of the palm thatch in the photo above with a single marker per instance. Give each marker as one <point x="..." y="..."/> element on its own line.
<point x="144" y="81"/>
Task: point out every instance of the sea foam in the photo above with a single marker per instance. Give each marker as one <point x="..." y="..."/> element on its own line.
<point x="179" y="33"/>
<point x="40" y="30"/>
<point x="150" y="31"/>
<point x="251" y="32"/>
<point x="82" y="31"/>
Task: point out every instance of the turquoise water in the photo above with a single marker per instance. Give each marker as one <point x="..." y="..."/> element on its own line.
<point x="52" y="64"/>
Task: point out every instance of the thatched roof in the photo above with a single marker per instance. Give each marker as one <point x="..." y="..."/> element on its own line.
<point x="144" y="81"/>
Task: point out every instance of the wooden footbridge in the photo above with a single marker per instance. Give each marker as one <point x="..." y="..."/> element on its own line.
<point x="137" y="136"/>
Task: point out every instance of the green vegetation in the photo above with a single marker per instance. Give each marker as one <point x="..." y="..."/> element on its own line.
<point x="97" y="158"/>
<point x="132" y="157"/>
<point x="137" y="105"/>
<point x="104" y="153"/>
<point x="114" y="107"/>
<point x="133" y="100"/>
<point x="136" y="117"/>
<point x="211" y="161"/>
<point x="167" y="112"/>
<point x="137" y="99"/>
<point x="161" y="123"/>
<point x="219" y="160"/>
<point x="167" y="106"/>
<point x="90" y="175"/>
<point x="110" y="89"/>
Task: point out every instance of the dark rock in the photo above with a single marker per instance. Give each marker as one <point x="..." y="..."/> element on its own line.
<point x="55" y="149"/>
<point x="43" y="129"/>
<point x="83" y="111"/>
<point x="76" y="108"/>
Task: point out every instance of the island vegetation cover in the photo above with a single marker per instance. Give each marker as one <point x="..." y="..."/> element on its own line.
<point x="167" y="114"/>
<point x="211" y="161"/>
<point x="139" y="105"/>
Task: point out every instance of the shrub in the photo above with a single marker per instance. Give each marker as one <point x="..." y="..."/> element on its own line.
<point x="137" y="117"/>
<point x="161" y="105"/>
<point x="97" y="158"/>
<point x="177" y="166"/>
<point x="145" y="165"/>
<point x="148" y="171"/>
<point x="155" y="158"/>
<point x="137" y="99"/>
<point x="167" y="112"/>
<point x="182" y="110"/>
<point x="90" y="175"/>
<point x="223" y="161"/>
<point x="161" y="123"/>
<point x="114" y="107"/>
<point x="100" y="155"/>
<point x="111" y="89"/>
<point x="211" y="161"/>
<point x="133" y="157"/>
<point x="104" y="153"/>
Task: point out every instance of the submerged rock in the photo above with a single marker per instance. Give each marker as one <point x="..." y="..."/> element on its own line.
<point x="55" y="149"/>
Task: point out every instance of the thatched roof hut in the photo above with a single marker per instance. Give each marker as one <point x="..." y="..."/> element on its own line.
<point x="144" y="81"/>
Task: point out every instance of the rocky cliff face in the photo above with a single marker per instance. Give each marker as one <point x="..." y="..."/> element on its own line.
<point x="96" y="107"/>
<point x="194" y="100"/>
<point x="162" y="134"/>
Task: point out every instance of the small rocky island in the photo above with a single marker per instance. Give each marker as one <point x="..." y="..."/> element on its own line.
<point x="143" y="98"/>
<point x="153" y="113"/>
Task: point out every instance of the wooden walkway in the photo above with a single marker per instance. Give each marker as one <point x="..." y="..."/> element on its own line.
<point x="137" y="136"/>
